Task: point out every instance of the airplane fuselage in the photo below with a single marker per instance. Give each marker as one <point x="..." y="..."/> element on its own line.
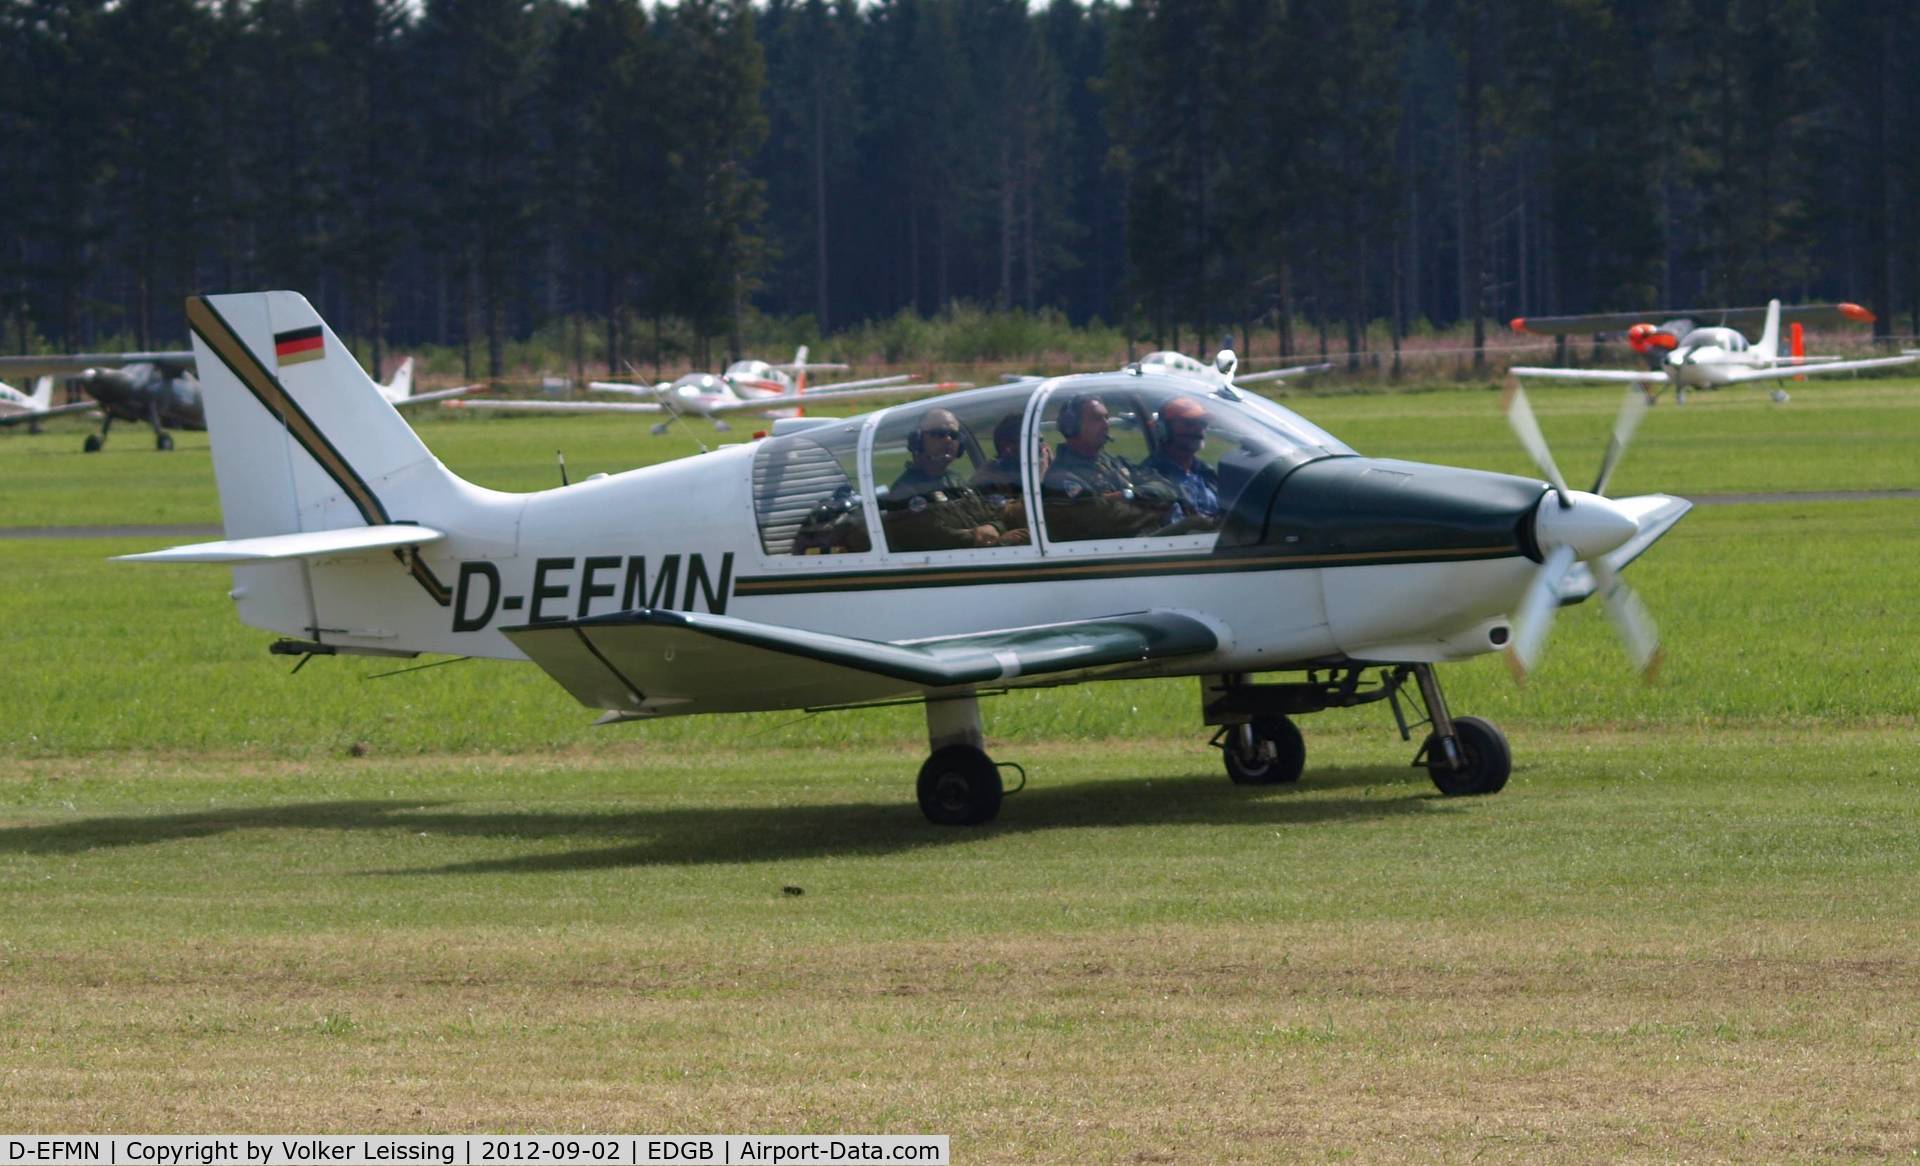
<point x="1325" y="557"/>
<point x="142" y="392"/>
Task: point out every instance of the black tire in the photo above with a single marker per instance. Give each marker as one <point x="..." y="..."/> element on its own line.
<point x="93" y="443"/>
<point x="164" y="442"/>
<point x="1483" y="750"/>
<point x="960" y="786"/>
<point x="1279" y="756"/>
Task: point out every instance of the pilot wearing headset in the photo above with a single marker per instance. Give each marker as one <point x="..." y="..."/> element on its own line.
<point x="1093" y="494"/>
<point x="928" y="508"/>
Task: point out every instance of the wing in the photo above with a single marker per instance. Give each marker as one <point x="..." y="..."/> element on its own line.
<point x="43" y="414"/>
<point x="1604" y="375"/>
<point x="1275" y="374"/>
<point x="627" y="388"/>
<point x="55" y="365"/>
<point x="654" y="663"/>
<point x="1742" y="376"/>
<point x="437" y="395"/>
<point x="558" y="406"/>
<point x="822" y="396"/>
<point x="1819" y="315"/>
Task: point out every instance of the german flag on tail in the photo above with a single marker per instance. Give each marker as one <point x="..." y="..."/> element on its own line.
<point x="298" y="346"/>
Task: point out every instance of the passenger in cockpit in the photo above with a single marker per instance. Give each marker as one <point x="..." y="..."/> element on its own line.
<point x="928" y="508"/>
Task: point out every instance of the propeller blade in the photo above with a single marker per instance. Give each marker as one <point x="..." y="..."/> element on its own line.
<point x="1520" y="417"/>
<point x="1632" y="409"/>
<point x="1630" y="619"/>
<point x="1534" y="617"/>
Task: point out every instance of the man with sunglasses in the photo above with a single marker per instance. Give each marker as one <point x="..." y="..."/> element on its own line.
<point x="928" y="508"/>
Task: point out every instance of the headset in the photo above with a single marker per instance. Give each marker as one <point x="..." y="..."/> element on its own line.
<point x="1068" y="422"/>
<point x="915" y="442"/>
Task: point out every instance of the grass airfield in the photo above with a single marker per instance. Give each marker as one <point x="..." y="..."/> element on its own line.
<point x="239" y="901"/>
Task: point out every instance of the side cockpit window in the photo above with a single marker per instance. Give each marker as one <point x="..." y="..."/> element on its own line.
<point x="806" y="493"/>
<point x="948" y="473"/>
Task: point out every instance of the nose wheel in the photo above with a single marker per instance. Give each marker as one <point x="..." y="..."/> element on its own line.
<point x="1482" y="759"/>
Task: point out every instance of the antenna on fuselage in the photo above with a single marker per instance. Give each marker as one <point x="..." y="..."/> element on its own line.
<point x="562" y="459"/>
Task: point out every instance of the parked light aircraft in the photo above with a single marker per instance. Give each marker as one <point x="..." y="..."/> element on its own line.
<point x="160" y="389"/>
<point x="806" y="570"/>
<point x="32" y="408"/>
<point x="772" y="390"/>
<point x="1689" y="356"/>
<point x="1180" y="364"/>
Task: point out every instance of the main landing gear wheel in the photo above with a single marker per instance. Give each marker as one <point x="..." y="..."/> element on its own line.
<point x="1485" y="760"/>
<point x="960" y="786"/>
<point x="1267" y="751"/>
<point x="93" y="443"/>
<point x="164" y="442"/>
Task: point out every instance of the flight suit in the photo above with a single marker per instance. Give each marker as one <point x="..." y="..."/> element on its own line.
<point x="1102" y="497"/>
<point x="925" y="513"/>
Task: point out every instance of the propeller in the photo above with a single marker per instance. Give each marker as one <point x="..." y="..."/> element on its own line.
<point x="1583" y="527"/>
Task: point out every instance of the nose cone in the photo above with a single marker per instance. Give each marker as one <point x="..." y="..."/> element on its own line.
<point x="1590" y="524"/>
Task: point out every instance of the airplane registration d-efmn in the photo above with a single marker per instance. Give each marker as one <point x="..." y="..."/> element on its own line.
<point x="1092" y="527"/>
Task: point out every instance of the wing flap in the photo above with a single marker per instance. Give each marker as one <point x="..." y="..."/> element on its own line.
<point x="662" y="662"/>
<point x="311" y="544"/>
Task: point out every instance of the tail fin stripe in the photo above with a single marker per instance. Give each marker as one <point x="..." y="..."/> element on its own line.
<point x="211" y="327"/>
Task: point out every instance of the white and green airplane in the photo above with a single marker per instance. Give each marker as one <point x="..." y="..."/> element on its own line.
<point x="819" y="568"/>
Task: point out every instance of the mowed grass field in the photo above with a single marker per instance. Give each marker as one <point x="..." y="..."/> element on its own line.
<point x="237" y="900"/>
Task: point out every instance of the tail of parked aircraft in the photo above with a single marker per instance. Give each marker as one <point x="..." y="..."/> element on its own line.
<point x="1769" y="345"/>
<point x="401" y="386"/>
<point x="42" y="395"/>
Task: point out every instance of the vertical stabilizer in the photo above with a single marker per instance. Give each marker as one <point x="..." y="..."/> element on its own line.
<point x="42" y="396"/>
<point x="401" y="386"/>
<point x="1769" y="346"/>
<point x="302" y="438"/>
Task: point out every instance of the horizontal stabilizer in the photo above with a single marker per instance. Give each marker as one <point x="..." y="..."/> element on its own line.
<point x="308" y="545"/>
<point x="669" y="662"/>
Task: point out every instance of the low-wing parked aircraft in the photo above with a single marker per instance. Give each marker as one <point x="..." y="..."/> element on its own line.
<point x="32" y="408"/>
<point x="889" y="557"/>
<point x="747" y="385"/>
<point x="1180" y="364"/>
<point x="161" y="390"/>
<point x="1688" y="355"/>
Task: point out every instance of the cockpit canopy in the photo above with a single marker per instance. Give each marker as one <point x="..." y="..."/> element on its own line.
<point x="929" y="475"/>
<point x="1725" y="339"/>
<point x="758" y="374"/>
<point x="703" y="383"/>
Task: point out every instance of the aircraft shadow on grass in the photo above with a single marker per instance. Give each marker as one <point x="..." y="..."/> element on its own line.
<point x="735" y="834"/>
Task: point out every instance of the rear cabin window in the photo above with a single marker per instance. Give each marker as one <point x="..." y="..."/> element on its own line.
<point x="806" y="493"/>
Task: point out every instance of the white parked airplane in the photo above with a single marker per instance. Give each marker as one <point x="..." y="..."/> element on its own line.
<point x="1180" y="364"/>
<point x="32" y="408"/>
<point x="1706" y="357"/>
<point x="841" y="562"/>
<point x="755" y="385"/>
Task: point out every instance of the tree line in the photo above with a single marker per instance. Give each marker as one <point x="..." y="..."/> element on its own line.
<point x="467" y="172"/>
